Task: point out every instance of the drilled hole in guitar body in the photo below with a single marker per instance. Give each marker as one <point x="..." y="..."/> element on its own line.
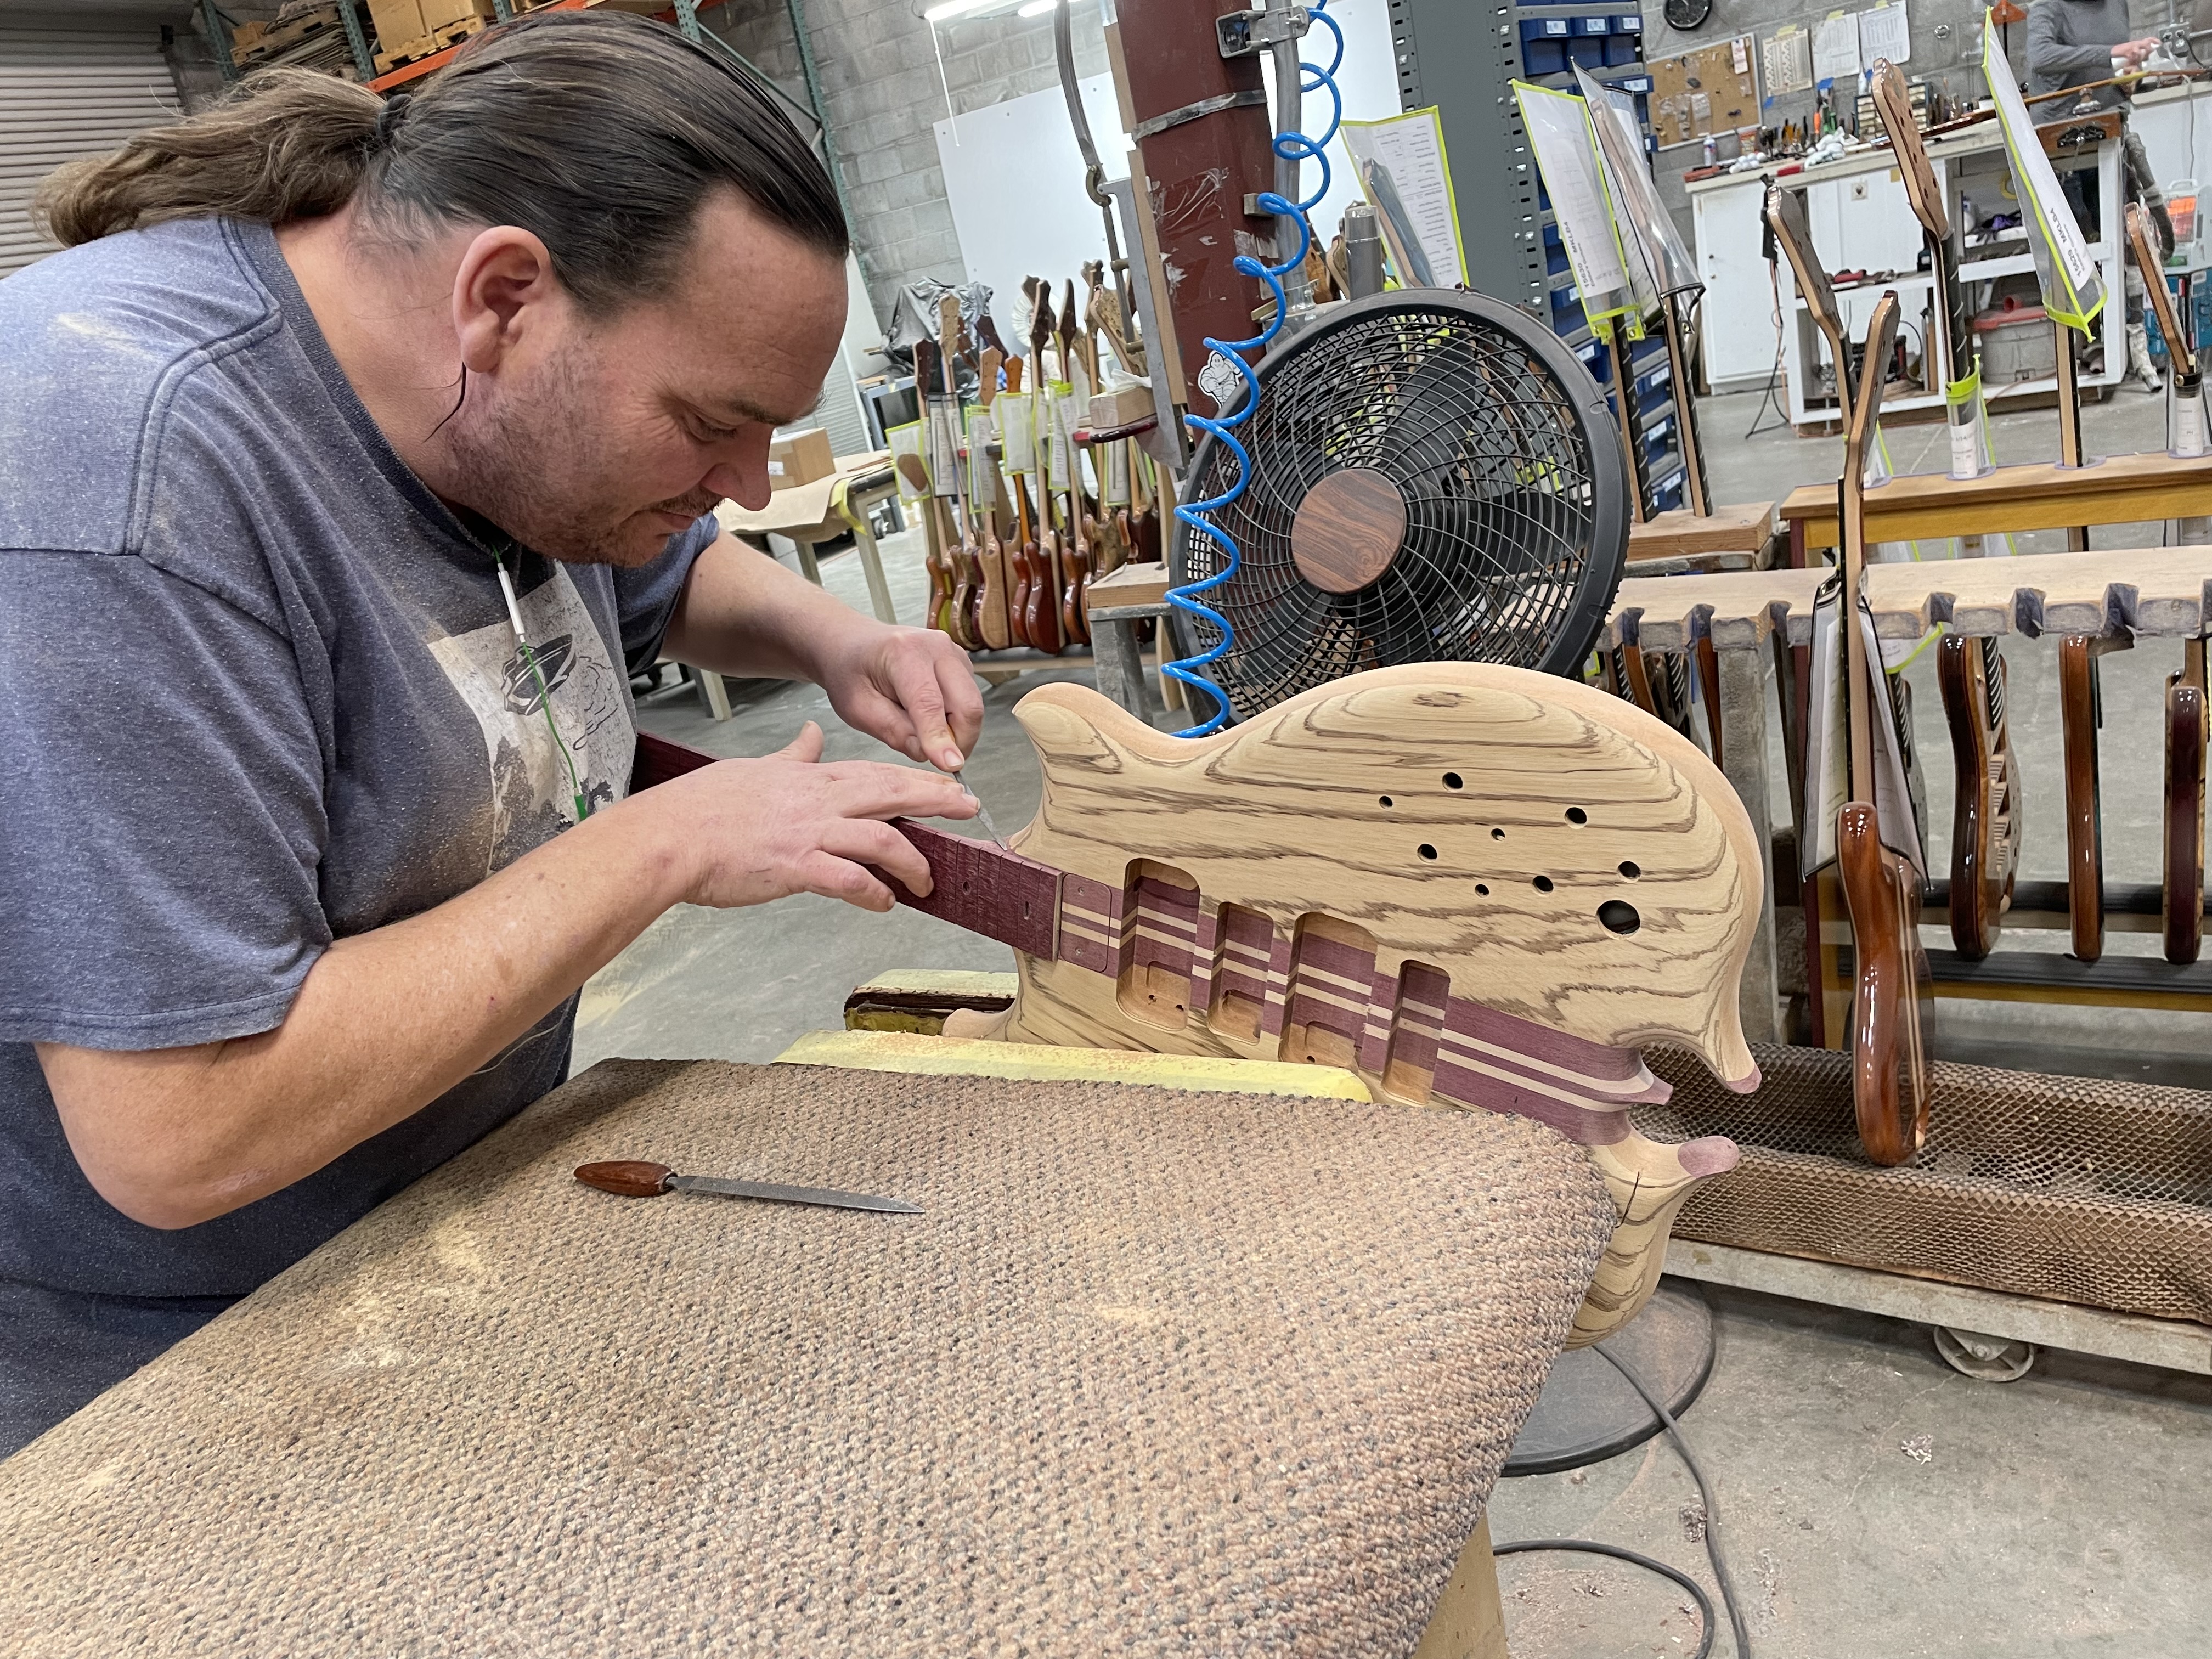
<point x="1159" y="944"/>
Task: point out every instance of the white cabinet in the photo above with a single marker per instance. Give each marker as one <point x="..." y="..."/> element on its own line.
<point x="1738" y="314"/>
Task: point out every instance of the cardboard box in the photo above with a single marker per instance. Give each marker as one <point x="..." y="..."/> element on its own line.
<point x="436" y="14"/>
<point x="1121" y="406"/>
<point x="799" y="458"/>
<point x="398" y="22"/>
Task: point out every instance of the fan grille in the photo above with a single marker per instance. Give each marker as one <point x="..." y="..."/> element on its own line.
<point x="1488" y="442"/>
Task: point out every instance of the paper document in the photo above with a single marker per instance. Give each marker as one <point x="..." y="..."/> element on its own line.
<point x="1883" y="34"/>
<point x="2072" y="290"/>
<point x="1667" y="266"/>
<point x="1788" y="61"/>
<point x="1564" y="141"/>
<point x="1402" y="173"/>
<point x="1835" y="48"/>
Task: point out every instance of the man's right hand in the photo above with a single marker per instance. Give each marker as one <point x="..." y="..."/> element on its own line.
<point x="2133" y="52"/>
<point x="753" y="830"/>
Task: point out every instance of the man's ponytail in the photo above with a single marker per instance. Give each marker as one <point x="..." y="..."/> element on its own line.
<point x="598" y="131"/>
<point x="285" y="145"/>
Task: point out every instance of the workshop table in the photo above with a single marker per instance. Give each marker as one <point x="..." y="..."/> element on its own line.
<point x="1181" y="1355"/>
<point x="1933" y="506"/>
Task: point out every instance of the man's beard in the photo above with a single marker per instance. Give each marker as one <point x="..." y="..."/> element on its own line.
<point x="534" y="467"/>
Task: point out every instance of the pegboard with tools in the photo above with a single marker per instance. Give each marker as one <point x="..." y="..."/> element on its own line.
<point x="1712" y="90"/>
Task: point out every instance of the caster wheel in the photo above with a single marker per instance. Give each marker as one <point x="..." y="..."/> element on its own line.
<point x="1986" y="1358"/>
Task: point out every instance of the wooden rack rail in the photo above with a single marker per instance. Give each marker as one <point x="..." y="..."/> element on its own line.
<point x="2144" y="593"/>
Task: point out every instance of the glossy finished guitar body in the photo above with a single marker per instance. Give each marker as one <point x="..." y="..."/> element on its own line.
<point x="2081" y="707"/>
<point x="1986" y="818"/>
<point x="2183" y="907"/>
<point x="1891" y="1001"/>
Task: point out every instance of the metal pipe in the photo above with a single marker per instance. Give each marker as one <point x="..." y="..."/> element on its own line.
<point x="1290" y="117"/>
<point x="1363" y="251"/>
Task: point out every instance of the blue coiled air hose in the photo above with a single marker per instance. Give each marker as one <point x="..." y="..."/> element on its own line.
<point x="1291" y="147"/>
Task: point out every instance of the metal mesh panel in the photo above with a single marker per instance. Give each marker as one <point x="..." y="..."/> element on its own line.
<point x="2072" y="1188"/>
<point x="1504" y="524"/>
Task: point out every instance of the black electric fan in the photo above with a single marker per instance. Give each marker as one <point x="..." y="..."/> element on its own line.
<point x="1435" y="477"/>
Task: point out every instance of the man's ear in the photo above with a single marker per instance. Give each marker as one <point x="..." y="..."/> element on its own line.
<point x="504" y="285"/>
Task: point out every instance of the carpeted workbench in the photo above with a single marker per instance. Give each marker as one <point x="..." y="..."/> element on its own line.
<point x="1156" y="1372"/>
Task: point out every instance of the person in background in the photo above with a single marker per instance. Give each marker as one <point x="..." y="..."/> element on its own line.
<point x="2077" y="43"/>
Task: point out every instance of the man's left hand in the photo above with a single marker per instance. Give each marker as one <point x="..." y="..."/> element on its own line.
<point x="911" y="687"/>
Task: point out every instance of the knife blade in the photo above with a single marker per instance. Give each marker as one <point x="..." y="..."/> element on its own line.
<point x="636" y="1178"/>
<point x="983" y="812"/>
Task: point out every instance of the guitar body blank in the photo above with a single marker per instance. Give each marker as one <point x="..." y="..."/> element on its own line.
<point x="1550" y="851"/>
<point x="1986" y="816"/>
<point x="1890" y="1080"/>
<point x="2183" y="907"/>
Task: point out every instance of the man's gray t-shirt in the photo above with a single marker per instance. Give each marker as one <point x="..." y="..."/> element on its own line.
<point x="260" y="693"/>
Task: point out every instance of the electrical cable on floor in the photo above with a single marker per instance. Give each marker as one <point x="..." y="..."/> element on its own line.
<point x="1531" y="1545"/>
<point x="1766" y="392"/>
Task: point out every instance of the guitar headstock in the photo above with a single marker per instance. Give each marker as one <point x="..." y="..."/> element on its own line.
<point x="1040" y="324"/>
<point x="1874" y="372"/>
<point x="948" y="324"/>
<point x="986" y="373"/>
<point x="1013" y="366"/>
<point x="2144" y="240"/>
<point x="1892" y="98"/>
<point x="1064" y="328"/>
<point x="1793" y="234"/>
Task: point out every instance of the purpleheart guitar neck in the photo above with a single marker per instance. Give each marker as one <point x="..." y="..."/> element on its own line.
<point x="977" y="884"/>
<point x="981" y="886"/>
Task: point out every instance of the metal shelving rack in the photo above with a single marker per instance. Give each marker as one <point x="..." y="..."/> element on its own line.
<point x="1460" y="55"/>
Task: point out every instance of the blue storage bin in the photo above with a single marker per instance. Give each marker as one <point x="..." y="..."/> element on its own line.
<point x="1639" y="84"/>
<point x="1593" y="24"/>
<point x="1555" y="260"/>
<point x="1542" y="57"/>
<point x="1588" y="49"/>
<point x="1543" y="28"/>
<point x="1621" y="49"/>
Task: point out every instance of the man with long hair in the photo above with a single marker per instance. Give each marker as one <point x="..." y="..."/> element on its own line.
<point x="355" y="450"/>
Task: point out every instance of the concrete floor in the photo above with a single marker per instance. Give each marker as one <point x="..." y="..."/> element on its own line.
<point x="1873" y="1502"/>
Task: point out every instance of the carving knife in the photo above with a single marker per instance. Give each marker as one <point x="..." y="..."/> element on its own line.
<point x="983" y="812"/>
<point x="635" y="1178"/>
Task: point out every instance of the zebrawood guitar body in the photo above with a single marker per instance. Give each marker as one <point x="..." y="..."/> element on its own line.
<point x="1986" y="816"/>
<point x="2185" y="733"/>
<point x="1474" y="886"/>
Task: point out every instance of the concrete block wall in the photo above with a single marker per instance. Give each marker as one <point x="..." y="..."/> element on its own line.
<point x="885" y="93"/>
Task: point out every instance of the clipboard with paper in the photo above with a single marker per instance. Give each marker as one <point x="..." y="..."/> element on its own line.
<point x="2073" y="290"/>
<point x="1563" y="136"/>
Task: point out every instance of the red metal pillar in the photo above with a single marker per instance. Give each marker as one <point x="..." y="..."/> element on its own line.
<point x="1204" y="132"/>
